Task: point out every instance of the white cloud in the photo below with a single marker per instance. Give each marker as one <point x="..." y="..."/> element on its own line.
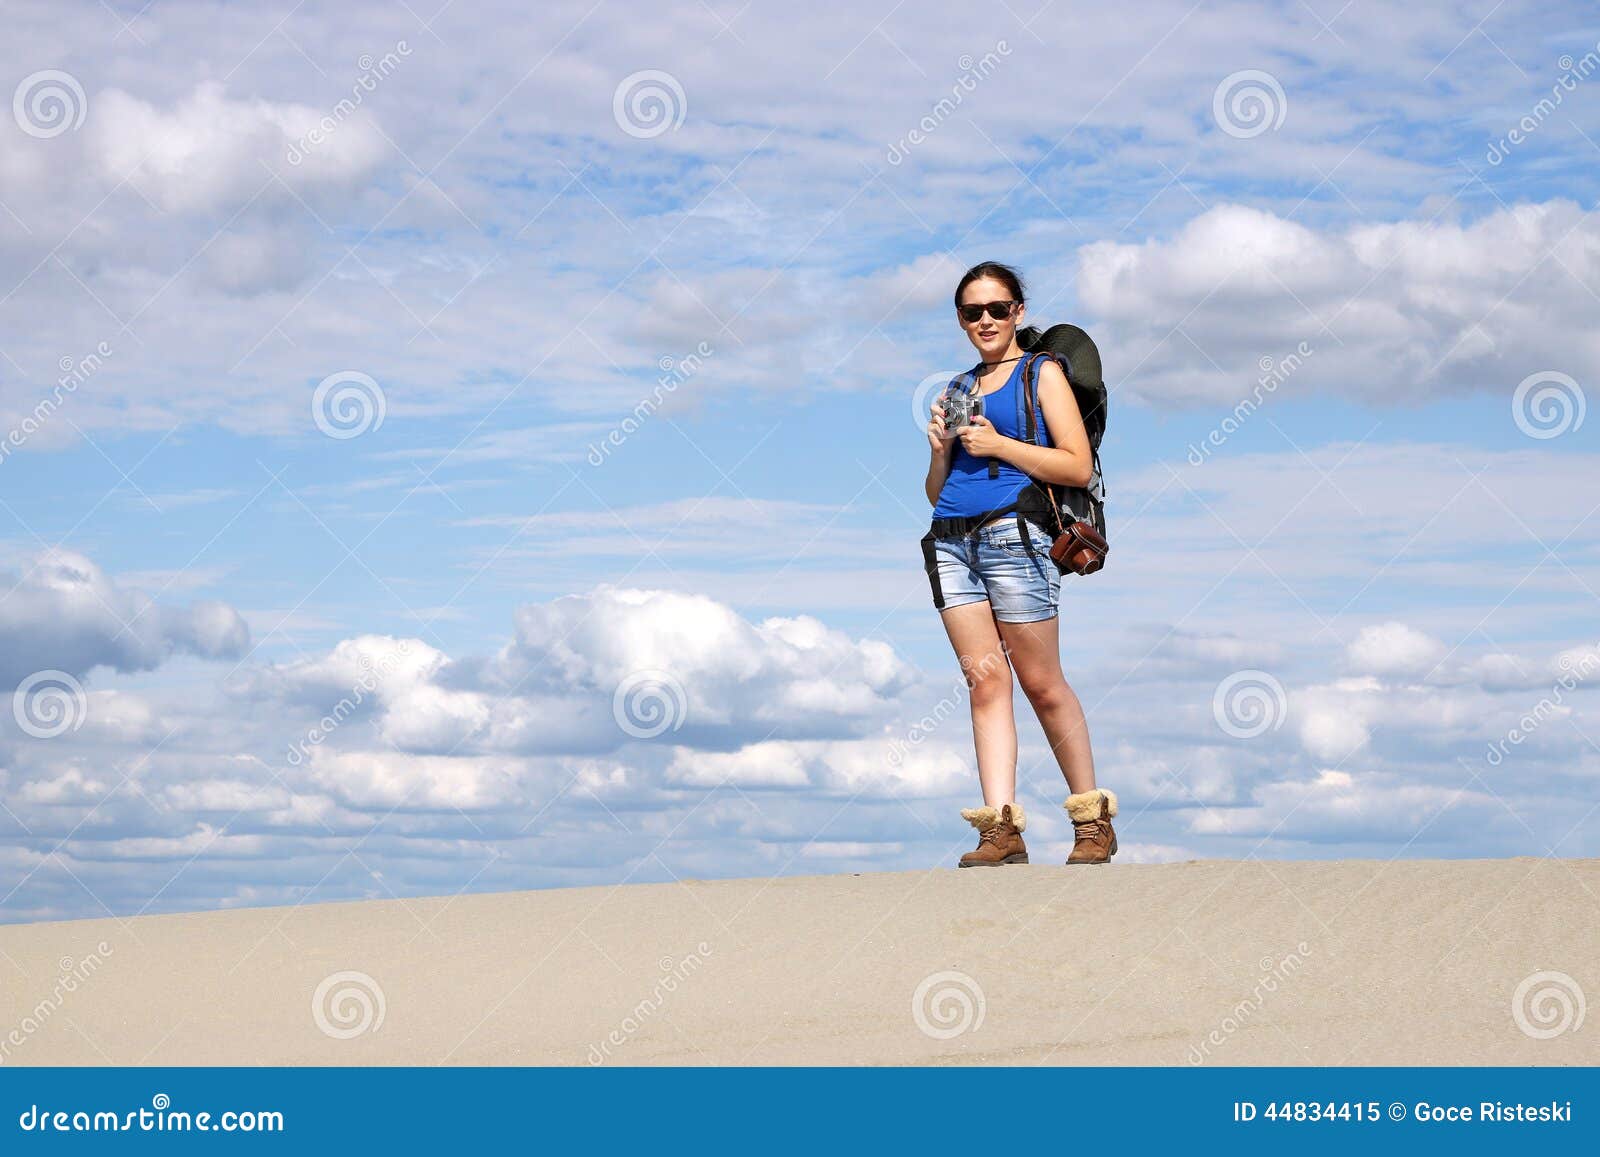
<point x="210" y="151"/>
<point x="757" y="765"/>
<point x="848" y="850"/>
<point x="68" y="785"/>
<point x="583" y="675"/>
<point x="430" y="718"/>
<point x="224" y="795"/>
<point x="1394" y="649"/>
<point x="742" y="678"/>
<point x="877" y="768"/>
<point x="1334" y="721"/>
<point x="381" y="780"/>
<point x="64" y="613"/>
<point x="1396" y="311"/>
<point x="1353" y="809"/>
<point x="204" y="840"/>
<point x="380" y="665"/>
<point x="1142" y="853"/>
<point x="122" y="717"/>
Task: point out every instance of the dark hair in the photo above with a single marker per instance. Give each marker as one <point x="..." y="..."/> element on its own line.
<point x="1004" y="274"/>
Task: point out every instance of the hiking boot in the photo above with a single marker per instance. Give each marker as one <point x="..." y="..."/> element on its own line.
<point x="999" y="836"/>
<point x="1090" y="813"/>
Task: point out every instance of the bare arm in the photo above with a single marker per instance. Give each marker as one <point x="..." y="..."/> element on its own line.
<point x="941" y="453"/>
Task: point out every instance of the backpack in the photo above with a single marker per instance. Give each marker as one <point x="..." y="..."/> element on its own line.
<point x="1075" y="352"/>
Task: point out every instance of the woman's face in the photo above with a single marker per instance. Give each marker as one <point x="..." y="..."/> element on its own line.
<point x="991" y="335"/>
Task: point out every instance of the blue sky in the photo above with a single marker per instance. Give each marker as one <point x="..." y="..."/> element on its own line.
<point x="212" y="209"/>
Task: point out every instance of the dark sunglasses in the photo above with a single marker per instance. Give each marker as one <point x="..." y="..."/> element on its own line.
<point x="999" y="310"/>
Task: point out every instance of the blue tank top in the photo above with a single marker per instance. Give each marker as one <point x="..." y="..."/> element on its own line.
<point x="969" y="490"/>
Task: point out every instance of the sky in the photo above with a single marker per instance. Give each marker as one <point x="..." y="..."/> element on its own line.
<point x="465" y="447"/>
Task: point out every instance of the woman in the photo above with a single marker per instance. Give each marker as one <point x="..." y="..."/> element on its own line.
<point x="996" y="588"/>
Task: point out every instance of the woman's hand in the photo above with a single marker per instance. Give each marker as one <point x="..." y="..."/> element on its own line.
<point x="937" y="439"/>
<point x="981" y="439"/>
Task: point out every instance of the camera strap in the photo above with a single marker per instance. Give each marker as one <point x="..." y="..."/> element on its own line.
<point x="972" y="392"/>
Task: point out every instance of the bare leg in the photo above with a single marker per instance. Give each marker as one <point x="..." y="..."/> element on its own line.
<point x="977" y="644"/>
<point x="1036" y="655"/>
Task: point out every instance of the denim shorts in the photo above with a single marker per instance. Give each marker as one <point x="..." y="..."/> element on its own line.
<point x="992" y="563"/>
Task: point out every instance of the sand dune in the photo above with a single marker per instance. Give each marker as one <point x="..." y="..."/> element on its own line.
<point x="1210" y="962"/>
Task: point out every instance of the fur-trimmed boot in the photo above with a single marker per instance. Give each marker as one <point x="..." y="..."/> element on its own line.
<point x="1090" y="813"/>
<point x="999" y="836"/>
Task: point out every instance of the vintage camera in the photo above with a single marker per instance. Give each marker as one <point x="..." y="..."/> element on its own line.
<point x="960" y="408"/>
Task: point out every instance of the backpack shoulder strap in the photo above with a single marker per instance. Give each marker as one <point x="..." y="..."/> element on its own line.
<point x="1025" y="421"/>
<point x="1030" y="379"/>
<point x="1030" y="384"/>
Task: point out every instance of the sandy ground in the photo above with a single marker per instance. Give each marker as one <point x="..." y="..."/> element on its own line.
<point x="1209" y="962"/>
